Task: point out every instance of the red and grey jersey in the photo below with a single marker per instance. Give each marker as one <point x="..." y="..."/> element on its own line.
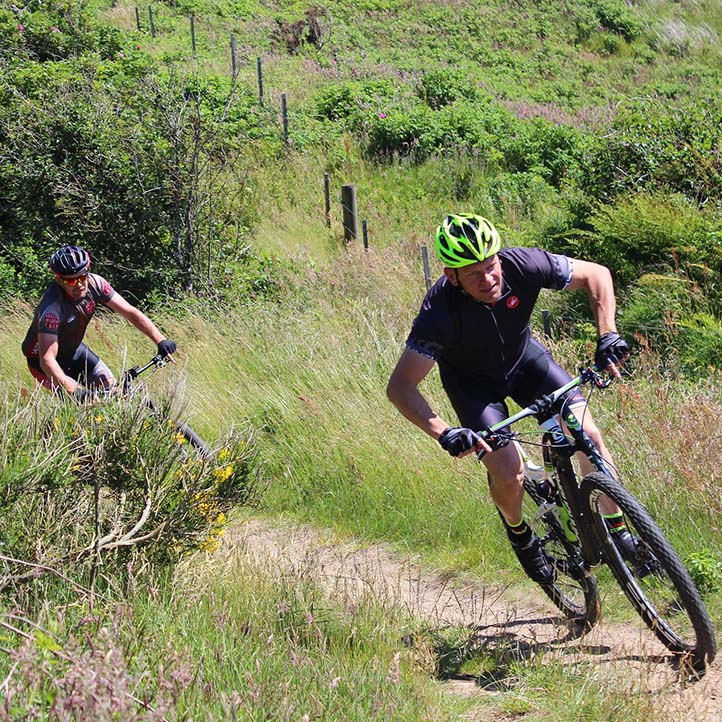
<point x="473" y="341"/>
<point x="60" y="316"/>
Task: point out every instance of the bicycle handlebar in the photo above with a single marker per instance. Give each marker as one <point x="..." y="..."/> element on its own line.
<point x="544" y="404"/>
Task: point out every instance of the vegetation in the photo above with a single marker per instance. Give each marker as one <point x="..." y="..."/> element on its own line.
<point x="590" y="127"/>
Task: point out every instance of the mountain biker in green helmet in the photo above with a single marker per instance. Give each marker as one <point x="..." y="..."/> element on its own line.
<point x="474" y="323"/>
<point x="56" y="356"/>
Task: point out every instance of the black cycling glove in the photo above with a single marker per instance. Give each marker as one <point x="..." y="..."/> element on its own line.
<point x="82" y="395"/>
<point x="456" y="440"/>
<point x="611" y="349"/>
<point x="166" y="346"/>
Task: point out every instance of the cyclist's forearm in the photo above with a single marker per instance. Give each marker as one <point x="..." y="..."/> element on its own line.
<point x="145" y="326"/>
<point x="51" y="368"/>
<point x="416" y="409"/>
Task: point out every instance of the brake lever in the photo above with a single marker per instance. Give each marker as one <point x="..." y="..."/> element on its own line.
<point x="494" y="440"/>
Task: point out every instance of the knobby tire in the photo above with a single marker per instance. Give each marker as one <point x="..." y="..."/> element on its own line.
<point x="658" y="566"/>
<point x="185" y="431"/>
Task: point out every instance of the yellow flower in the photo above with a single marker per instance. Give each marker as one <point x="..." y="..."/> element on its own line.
<point x="180" y="439"/>
<point x="223" y="472"/>
<point x="224" y="453"/>
<point x="209" y="545"/>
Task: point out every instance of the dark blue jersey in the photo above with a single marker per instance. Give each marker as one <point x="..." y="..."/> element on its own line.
<point x="476" y="342"/>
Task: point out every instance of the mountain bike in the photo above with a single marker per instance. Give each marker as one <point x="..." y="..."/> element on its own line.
<point x="567" y="517"/>
<point x="129" y="387"/>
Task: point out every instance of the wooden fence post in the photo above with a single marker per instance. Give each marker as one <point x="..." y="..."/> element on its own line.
<point x="284" y="115"/>
<point x="427" y="272"/>
<point x="233" y="55"/>
<point x="137" y="18"/>
<point x="193" y="33"/>
<point x="327" y="198"/>
<point x="365" y="234"/>
<point x="152" y="24"/>
<point x="348" y="204"/>
<point x="547" y="321"/>
<point x="259" y="74"/>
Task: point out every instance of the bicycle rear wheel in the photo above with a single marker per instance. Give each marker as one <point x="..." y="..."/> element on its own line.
<point x="655" y="581"/>
<point x="575" y="590"/>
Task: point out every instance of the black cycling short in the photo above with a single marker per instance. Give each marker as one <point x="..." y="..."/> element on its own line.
<point x="85" y="366"/>
<point x="480" y="404"/>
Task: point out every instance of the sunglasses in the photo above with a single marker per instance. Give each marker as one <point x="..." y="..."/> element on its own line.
<point x="73" y="281"/>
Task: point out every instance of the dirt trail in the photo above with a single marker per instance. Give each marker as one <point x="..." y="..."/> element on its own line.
<point x="502" y="620"/>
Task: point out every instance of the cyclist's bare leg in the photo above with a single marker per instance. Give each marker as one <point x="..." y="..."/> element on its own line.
<point x="507" y="481"/>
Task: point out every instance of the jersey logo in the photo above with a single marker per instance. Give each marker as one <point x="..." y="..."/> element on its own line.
<point x="512" y="302"/>
<point x="51" y="321"/>
<point x="106" y="289"/>
<point x="87" y="307"/>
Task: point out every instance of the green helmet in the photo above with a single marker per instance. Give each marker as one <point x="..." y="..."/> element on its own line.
<point x="464" y="238"/>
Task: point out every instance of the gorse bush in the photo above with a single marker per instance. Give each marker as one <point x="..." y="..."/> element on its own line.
<point x="110" y="482"/>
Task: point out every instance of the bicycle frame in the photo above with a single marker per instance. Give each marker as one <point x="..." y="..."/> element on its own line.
<point x="548" y="410"/>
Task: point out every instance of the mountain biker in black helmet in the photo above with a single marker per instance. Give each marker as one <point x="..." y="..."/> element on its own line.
<point x="53" y="346"/>
<point x="475" y="324"/>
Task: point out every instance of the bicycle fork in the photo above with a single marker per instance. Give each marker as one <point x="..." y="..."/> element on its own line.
<point x="558" y="452"/>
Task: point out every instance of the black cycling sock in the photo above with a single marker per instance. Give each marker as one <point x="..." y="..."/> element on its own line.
<point x="615" y="522"/>
<point x="519" y="534"/>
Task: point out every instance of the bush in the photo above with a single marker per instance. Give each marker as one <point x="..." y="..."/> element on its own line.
<point x="552" y="151"/>
<point x="351" y="99"/>
<point x="110" y="482"/>
<point x="700" y="347"/>
<point x="646" y="232"/>
<point x="705" y="570"/>
<point x="438" y="88"/>
<point x="80" y="166"/>
<point x="52" y="30"/>
<point x="659" y="147"/>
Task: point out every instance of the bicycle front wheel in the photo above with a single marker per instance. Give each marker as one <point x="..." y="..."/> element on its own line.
<point x="575" y="590"/>
<point x="185" y="432"/>
<point x="655" y="580"/>
<point x="192" y="438"/>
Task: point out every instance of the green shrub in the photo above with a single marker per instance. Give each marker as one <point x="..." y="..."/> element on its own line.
<point x="618" y="17"/>
<point x="700" y="348"/>
<point x="342" y="101"/>
<point x="409" y="132"/>
<point x="705" y="569"/>
<point x="654" y="146"/>
<point x="52" y="30"/>
<point x="547" y="149"/>
<point x="645" y="232"/>
<point x="438" y="88"/>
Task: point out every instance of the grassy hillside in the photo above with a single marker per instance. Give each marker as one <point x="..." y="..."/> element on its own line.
<point x="585" y="127"/>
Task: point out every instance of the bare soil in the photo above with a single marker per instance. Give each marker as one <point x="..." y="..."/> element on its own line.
<point x="517" y="622"/>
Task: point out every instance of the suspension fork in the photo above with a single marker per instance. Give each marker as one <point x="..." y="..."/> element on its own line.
<point x="559" y="450"/>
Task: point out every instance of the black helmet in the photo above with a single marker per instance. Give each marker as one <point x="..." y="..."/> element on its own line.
<point x="69" y="261"/>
